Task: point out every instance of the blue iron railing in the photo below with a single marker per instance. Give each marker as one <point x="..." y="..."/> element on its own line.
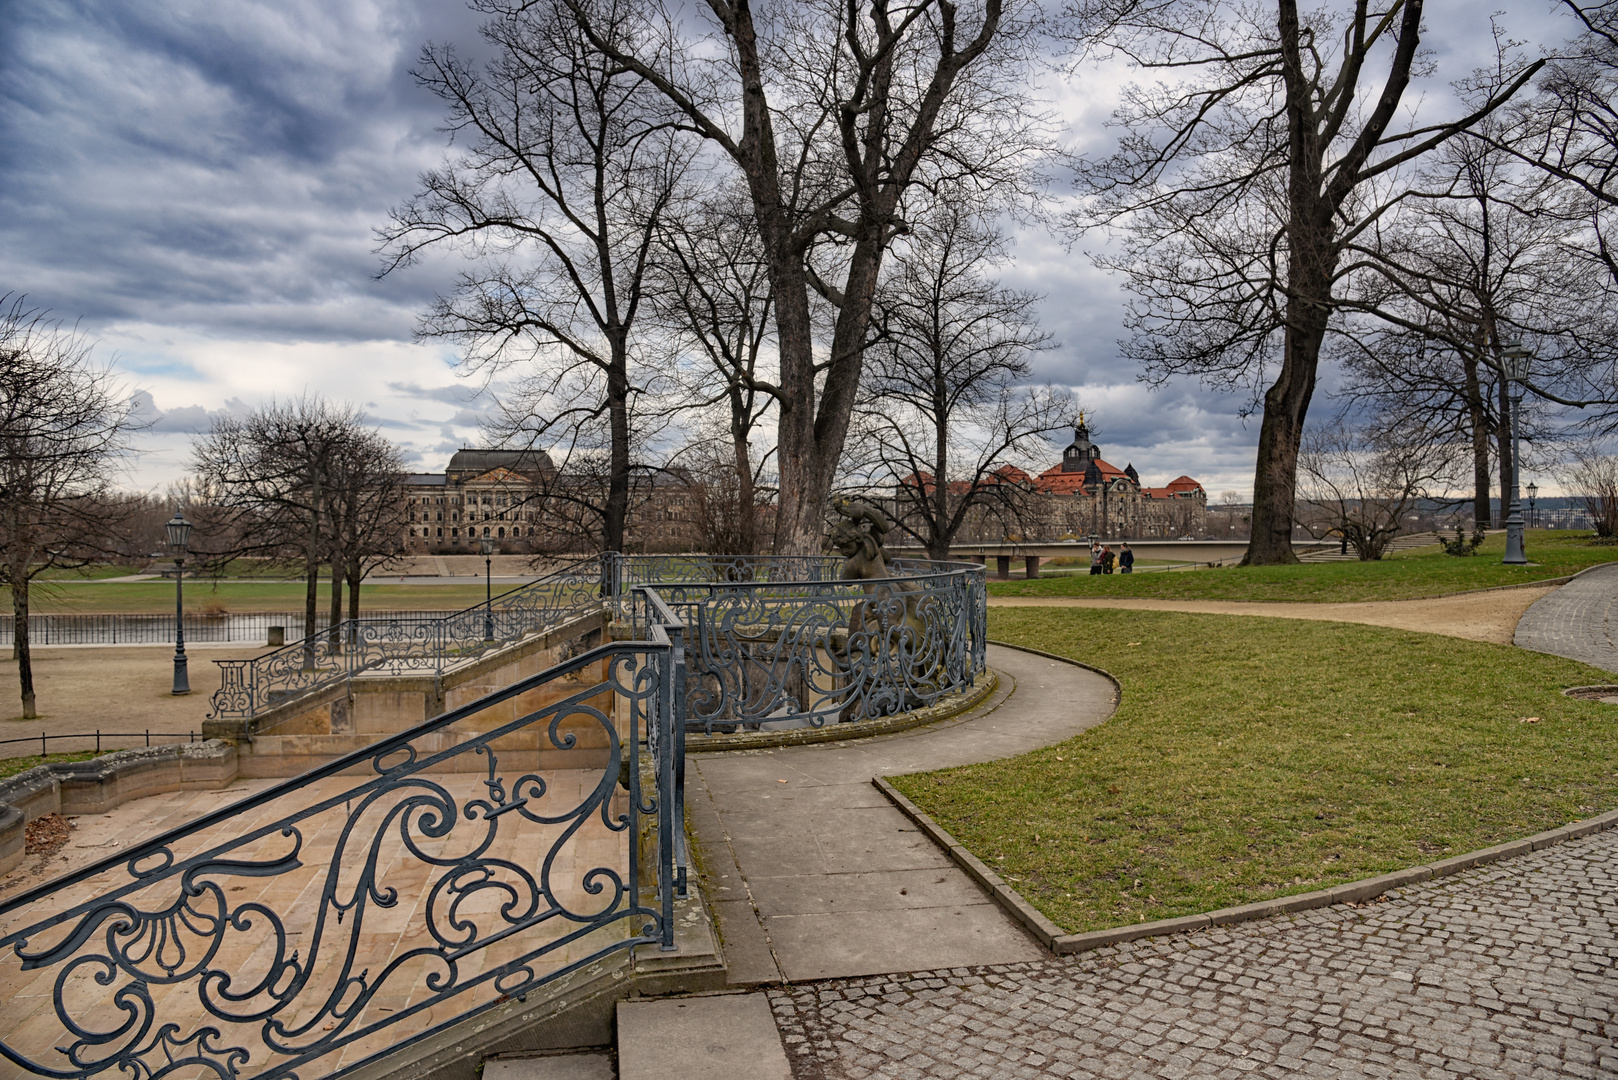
<point x="373" y="902"/>
<point x="406" y="645"/>
<point x="803" y="651"/>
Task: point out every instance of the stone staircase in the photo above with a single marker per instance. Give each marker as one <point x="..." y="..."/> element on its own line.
<point x="1334" y="553"/>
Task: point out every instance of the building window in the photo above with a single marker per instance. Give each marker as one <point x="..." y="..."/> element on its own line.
<point x="440" y="534"/>
<point x="502" y="534"/>
<point x="455" y="532"/>
<point x="485" y="530"/>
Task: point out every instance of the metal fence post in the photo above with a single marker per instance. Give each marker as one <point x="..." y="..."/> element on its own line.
<point x="677" y="742"/>
<point x="665" y="798"/>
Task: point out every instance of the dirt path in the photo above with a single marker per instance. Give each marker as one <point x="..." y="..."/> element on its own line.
<point x="80" y="688"/>
<point x="1482" y="616"/>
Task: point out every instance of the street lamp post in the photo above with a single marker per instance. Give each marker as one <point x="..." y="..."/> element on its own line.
<point x="1518" y="361"/>
<point x="486" y="545"/>
<point x="179" y="531"/>
<point x="1533" y="516"/>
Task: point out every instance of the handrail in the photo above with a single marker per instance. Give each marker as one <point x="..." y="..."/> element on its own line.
<point x="354" y="646"/>
<point x="163" y="967"/>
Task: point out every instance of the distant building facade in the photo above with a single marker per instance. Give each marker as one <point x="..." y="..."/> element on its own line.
<point x="1082" y="495"/>
<point x="493" y="493"/>
<point x="518" y="499"/>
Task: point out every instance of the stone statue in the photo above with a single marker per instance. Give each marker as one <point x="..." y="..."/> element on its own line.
<point x="859" y="537"/>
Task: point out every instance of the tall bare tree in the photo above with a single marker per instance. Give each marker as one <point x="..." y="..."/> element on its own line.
<point x="367" y="513"/>
<point x="944" y="408"/>
<point x="1249" y="190"/>
<point x="714" y="297"/>
<point x="64" y="422"/>
<point x="567" y="171"/>
<point x="272" y="472"/>
<point x="831" y="113"/>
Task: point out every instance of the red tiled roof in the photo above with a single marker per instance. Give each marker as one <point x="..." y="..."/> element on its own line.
<point x="1054" y="481"/>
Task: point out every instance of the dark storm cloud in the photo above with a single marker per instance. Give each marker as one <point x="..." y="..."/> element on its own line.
<point x="216" y="165"/>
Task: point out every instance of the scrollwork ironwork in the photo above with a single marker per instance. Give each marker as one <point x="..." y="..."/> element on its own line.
<point x="419" y="874"/>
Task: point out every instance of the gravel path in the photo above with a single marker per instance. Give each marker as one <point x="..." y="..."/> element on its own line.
<point x="1577" y="621"/>
<point x="1480" y="616"/>
<point x="1505" y="971"/>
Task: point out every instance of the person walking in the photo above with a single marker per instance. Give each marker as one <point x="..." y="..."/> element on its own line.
<point x="1107" y="558"/>
<point x="1095" y="558"/>
<point x="1126" y="560"/>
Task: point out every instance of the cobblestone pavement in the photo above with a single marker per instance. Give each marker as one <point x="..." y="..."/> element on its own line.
<point x="1504" y="971"/>
<point x="1577" y="621"/>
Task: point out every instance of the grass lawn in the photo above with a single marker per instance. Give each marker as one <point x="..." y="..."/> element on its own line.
<point x="1252" y="758"/>
<point x="11" y="766"/>
<point x="239" y="596"/>
<point x="1407" y="575"/>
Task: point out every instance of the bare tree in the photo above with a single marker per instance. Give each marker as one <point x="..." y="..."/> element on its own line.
<point x="1592" y="478"/>
<point x="567" y="172"/>
<point x="1362" y="487"/>
<point x="273" y="473"/>
<point x="1484" y="254"/>
<point x="1249" y="193"/>
<point x="715" y="297"/>
<point x="64" y="422"/>
<point x="367" y="513"/>
<point x="832" y="113"/>
<point x="944" y="410"/>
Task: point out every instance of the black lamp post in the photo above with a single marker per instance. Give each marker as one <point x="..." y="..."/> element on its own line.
<point x="1517" y="361"/>
<point x="486" y="545"/>
<point x="1533" y="517"/>
<point x="179" y="531"/>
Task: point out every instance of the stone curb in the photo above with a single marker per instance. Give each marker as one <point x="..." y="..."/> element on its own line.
<point x="1055" y="939"/>
<point x="969" y="699"/>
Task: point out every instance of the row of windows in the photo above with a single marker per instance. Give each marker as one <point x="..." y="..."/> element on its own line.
<point x="484" y="499"/>
<point x="499" y="532"/>
<point x="471" y="515"/>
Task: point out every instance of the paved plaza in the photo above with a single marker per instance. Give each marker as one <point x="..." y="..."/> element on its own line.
<point x="1578" y="621"/>
<point x="1506" y="972"/>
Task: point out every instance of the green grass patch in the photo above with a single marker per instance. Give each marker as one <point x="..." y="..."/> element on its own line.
<point x="1405" y="576"/>
<point x="1252" y="758"/>
<point x="14" y="765"/>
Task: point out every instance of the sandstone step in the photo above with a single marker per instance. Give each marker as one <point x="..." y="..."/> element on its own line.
<point x="592" y="1065"/>
<point x="720" y="1037"/>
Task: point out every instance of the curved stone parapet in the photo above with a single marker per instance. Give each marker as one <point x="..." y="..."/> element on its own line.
<point x="105" y="783"/>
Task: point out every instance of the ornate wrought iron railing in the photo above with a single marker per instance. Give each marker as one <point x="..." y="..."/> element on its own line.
<point x="406" y="645"/>
<point x="804" y="652"/>
<point x="373" y="902"/>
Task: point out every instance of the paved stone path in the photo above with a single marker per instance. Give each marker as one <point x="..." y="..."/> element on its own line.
<point x="1507" y="971"/>
<point x="1577" y="621"/>
<point x="815" y="875"/>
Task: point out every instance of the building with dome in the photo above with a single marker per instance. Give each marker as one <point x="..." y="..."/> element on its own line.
<point x="1085" y="495"/>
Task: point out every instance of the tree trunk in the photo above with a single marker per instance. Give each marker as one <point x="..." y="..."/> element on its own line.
<point x="20" y="645"/>
<point x="1286" y="404"/>
<point x="311" y="570"/>
<point x="354" y="579"/>
<point x="1478" y="418"/>
<point x="616" y="514"/>
<point x="333" y="634"/>
<point x="746" y="498"/>
<point x="799" y="512"/>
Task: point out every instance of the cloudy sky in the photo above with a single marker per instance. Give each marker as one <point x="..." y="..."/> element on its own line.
<point x="196" y="183"/>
